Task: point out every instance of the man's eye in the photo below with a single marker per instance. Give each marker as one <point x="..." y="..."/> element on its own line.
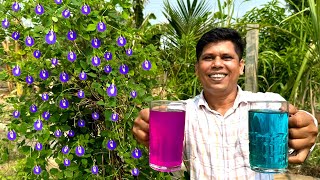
<point x="208" y="58"/>
<point x="227" y="57"/>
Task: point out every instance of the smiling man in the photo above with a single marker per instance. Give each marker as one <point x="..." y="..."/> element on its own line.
<point x="216" y="130"/>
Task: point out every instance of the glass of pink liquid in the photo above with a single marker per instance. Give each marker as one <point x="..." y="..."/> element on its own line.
<point x="167" y="119"/>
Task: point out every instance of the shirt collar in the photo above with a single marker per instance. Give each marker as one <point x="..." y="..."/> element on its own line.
<point x="240" y="98"/>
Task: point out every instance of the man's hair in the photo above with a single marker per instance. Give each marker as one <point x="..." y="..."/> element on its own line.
<point x="221" y="34"/>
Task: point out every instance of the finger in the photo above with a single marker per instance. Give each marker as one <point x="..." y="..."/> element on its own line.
<point x="300" y="119"/>
<point x="300" y="143"/>
<point x="298" y="133"/>
<point x="144" y="114"/>
<point x="141" y="124"/>
<point x="292" y="109"/>
<point x="160" y="108"/>
<point x="300" y="157"/>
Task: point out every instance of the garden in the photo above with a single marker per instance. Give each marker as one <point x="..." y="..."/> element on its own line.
<point x="80" y="71"/>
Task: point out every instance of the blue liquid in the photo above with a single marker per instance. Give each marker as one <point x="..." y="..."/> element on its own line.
<point x="268" y="140"/>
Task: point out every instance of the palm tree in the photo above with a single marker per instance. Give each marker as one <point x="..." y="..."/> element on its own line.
<point x="188" y="18"/>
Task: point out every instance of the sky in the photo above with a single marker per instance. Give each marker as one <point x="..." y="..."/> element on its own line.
<point x="241" y="7"/>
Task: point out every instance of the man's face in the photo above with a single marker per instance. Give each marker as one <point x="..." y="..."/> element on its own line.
<point x="219" y="68"/>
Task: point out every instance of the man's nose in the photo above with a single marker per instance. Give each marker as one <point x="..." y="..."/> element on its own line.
<point x="217" y="62"/>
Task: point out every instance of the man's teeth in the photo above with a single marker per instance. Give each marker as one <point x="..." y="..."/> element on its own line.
<point x="217" y="75"/>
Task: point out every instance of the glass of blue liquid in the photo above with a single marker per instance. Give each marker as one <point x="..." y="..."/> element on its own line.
<point x="268" y="136"/>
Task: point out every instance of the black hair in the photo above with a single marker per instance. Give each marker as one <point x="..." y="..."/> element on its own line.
<point x="221" y="34"/>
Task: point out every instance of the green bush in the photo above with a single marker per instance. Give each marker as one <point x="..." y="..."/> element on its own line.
<point x="116" y="14"/>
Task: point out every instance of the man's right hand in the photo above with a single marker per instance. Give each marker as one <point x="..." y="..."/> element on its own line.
<point x="141" y="127"/>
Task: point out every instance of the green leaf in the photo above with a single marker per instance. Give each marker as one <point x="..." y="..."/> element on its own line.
<point x="54" y="19"/>
<point x="68" y="173"/>
<point x="54" y="171"/>
<point x="84" y="161"/>
<point x="84" y="64"/>
<point x="100" y="102"/>
<point x="91" y="27"/>
<point x="95" y="85"/>
<point x="92" y="74"/>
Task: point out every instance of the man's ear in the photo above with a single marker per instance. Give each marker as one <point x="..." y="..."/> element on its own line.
<point x="242" y="65"/>
<point x="196" y="66"/>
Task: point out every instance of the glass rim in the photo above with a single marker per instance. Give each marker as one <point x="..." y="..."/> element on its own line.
<point x="168" y="101"/>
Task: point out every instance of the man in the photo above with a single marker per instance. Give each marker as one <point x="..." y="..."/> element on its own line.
<point x="216" y="131"/>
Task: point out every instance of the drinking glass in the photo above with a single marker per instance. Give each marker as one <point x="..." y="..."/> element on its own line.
<point x="268" y="136"/>
<point x="166" y="131"/>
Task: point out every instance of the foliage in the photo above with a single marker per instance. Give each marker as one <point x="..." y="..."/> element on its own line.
<point x="112" y="164"/>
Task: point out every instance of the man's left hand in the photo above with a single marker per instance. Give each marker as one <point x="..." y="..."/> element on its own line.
<point x="302" y="134"/>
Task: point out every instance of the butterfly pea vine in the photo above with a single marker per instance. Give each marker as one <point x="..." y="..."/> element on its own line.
<point x="92" y="74"/>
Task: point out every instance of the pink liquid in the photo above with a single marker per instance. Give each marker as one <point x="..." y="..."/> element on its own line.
<point x="166" y="138"/>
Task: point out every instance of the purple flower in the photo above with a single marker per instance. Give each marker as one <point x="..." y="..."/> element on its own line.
<point x="71" y="133"/>
<point x="15" y="35"/>
<point x="51" y="37"/>
<point x="58" y="1"/>
<point x="29" y="79"/>
<point x="114" y="117"/>
<point x="107" y="69"/>
<point x="111" y="145"/>
<point x="135" y="172"/>
<point x="79" y="151"/>
<point x="38" y="146"/>
<point x="15" y="6"/>
<point x="72" y="35"/>
<point x="95" y="115"/>
<point x="29" y="41"/>
<point x="38" y="125"/>
<point x="33" y="108"/>
<point x="5" y="23"/>
<point x="95" y="61"/>
<point x="129" y="52"/>
<point x="44" y="74"/>
<point x="58" y="133"/>
<point x="83" y="76"/>
<point x="66" y="13"/>
<point x="112" y="90"/>
<point x="64" y="103"/>
<point x="66" y="162"/>
<point x="16" y="114"/>
<point x="16" y="71"/>
<point x="39" y="9"/>
<point x="46" y="115"/>
<point x="133" y="94"/>
<point x="85" y="9"/>
<point x="37" y="170"/>
<point x="95" y="169"/>
<point x="121" y="41"/>
<point x="136" y="153"/>
<point x="54" y="61"/>
<point x="81" y="94"/>
<point x="45" y="96"/>
<point x="108" y="56"/>
<point x="96" y="43"/>
<point x="65" y="150"/>
<point x="81" y="123"/>
<point x="124" y="69"/>
<point x="12" y="135"/>
<point x="64" y="77"/>
<point x="37" y="54"/>
<point x="101" y="26"/>
<point x="72" y="56"/>
<point x="146" y="65"/>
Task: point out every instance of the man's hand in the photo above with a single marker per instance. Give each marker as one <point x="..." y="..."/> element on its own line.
<point x="302" y="134"/>
<point x="141" y="127"/>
